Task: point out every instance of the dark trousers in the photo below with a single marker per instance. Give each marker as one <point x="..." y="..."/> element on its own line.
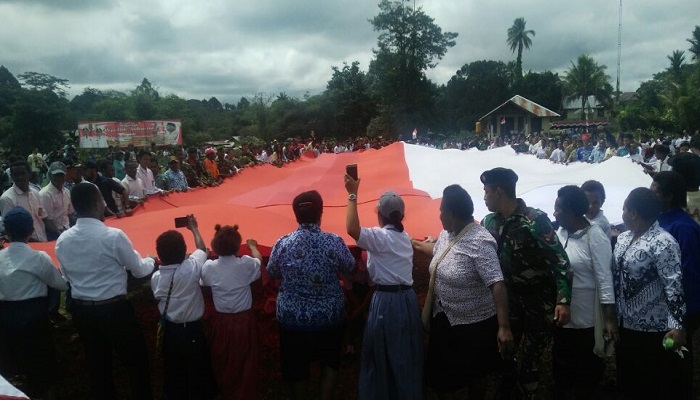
<point x="109" y="328"/>
<point x="645" y="370"/>
<point x="187" y="360"/>
<point x="576" y="369"/>
<point x="26" y="343"/>
<point x="54" y="300"/>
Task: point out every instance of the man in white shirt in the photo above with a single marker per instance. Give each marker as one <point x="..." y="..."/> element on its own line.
<point x="21" y="195"/>
<point x="132" y="183"/>
<point x="95" y="259"/>
<point x="25" y="332"/>
<point x="56" y="201"/>
<point x="558" y="155"/>
<point x="144" y="173"/>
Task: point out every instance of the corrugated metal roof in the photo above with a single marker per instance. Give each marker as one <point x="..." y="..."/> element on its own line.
<point x="527" y="105"/>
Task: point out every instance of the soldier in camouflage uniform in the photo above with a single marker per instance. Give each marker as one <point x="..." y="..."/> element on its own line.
<point x="537" y="274"/>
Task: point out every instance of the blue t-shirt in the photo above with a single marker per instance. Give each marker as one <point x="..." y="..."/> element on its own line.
<point x="308" y="261"/>
<point x="686" y="231"/>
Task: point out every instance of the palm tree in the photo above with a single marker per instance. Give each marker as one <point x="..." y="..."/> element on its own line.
<point x="587" y="78"/>
<point x="518" y="38"/>
<point x="677" y="58"/>
<point x="695" y="43"/>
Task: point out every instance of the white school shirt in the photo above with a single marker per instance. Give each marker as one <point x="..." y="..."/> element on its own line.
<point x="94" y="259"/>
<point x="602" y="221"/>
<point x="186" y="301"/>
<point x="592" y="269"/>
<point x="147" y="180"/>
<point x="389" y="255"/>
<point x="230" y="278"/>
<point x="15" y="197"/>
<point x="57" y="205"/>
<point x="134" y="186"/>
<point x="25" y="272"/>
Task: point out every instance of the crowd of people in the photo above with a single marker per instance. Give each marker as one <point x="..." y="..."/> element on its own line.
<point x="501" y="290"/>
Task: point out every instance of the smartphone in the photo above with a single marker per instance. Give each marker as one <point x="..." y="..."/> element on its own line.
<point x="181" y="222"/>
<point x="351" y="169"/>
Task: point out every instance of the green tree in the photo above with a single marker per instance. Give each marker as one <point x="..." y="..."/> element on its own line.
<point x="587" y="78"/>
<point x="38" y="119"/>
<point x="519" y="38"/>
<point x="41" y="82"/>
<point x="695" y="43"/>
<point x="544" y="88"/>
<point x="408" y="44"/>
<point x="475" y="89"/>
<point x="677" y="58"/>
<point x="348" y="93"/>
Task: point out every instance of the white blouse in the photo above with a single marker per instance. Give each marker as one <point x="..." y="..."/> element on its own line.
<point x="590" y="255"/>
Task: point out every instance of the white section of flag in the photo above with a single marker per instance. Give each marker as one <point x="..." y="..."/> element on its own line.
<point x="432" y="170"/>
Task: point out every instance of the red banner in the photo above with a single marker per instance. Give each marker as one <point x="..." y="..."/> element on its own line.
<point x="101" y="134"/>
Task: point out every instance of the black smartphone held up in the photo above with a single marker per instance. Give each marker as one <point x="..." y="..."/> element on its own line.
<point x="351" y="169"/>
<point x="181" y="222"/>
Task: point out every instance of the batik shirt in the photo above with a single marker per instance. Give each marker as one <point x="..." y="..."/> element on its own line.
<point x="535" y="265"/>
<point x="308" y="261"/>
<point x="647" y="280"/>
<point x="175" y="180"/>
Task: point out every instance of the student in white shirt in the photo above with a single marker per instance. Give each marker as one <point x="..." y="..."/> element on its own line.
<point x="25" y="330"/>
<point x="234" y="345"/>
<point x="392" y="347"/>
<point x="175" y="286"/>
<point x="144" y="173"/>
<point x="20" y="194"/>
<point x="94" y="258"/>
<point x="133" y="184"/>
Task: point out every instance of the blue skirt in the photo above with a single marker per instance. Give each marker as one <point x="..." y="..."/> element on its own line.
<point x="392" y="348"/>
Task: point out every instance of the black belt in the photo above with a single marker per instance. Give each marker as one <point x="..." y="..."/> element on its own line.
<point x="115" y="299"/>
<point x="393" y="288"/>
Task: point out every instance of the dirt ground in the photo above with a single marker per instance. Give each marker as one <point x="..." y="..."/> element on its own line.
<point x="73" y="375"/>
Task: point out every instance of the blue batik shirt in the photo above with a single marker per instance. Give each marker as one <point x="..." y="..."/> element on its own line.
<point x="308" y="261"/>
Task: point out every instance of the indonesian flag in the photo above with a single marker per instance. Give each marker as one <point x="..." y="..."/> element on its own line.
<point x="415" y="133"/>
<point x="503" y="120"/>
<point x="260" y="199"/>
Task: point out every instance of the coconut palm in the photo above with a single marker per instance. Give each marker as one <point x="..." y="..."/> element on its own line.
<point x="695" y="43"/>
<point x="519" y="38"/>
<point x="587" y="78"/>
<point x="677" y="58"/>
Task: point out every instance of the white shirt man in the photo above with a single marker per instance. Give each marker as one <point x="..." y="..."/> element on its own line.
<point x="134" y="186"/>
<point x="558" y="156"/>
<point x="29" y="200"/>
<point x="56" y="201"/>
<point x="147" y="180"/>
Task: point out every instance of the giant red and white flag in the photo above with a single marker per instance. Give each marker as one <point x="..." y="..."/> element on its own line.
<point x="259" y="198"/>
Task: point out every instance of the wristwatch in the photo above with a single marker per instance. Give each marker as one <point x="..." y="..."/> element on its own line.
<point x="352" y="197"/>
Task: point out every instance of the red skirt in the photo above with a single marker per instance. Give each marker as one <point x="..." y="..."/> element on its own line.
<point x="235" y="354"/>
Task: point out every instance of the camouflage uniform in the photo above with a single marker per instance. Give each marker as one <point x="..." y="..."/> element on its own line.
<point x="193" y="180"/>
<point x="538" y="276"/>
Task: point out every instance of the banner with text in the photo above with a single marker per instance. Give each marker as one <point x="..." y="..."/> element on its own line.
<point x="101" y="134"/>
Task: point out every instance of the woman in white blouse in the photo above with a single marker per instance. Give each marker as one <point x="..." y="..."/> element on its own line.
<point x="576" y="368"/>
<point x="392" y="346"/>
<point x="234" y="339"/>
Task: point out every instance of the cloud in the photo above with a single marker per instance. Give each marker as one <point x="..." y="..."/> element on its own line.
<point x="231" y="49"/>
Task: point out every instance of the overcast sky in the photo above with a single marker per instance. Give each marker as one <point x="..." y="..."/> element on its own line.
<point x="233" y="48"/>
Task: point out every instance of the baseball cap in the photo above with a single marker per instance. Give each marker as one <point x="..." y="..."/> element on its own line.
<point x="57" y="167"/>
<point x="173" y="159"/>
<point x="18" y="222"/>
<point x="390" y="202"/>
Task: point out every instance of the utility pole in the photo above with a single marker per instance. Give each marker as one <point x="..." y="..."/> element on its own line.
<point x="619" y="52"/>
